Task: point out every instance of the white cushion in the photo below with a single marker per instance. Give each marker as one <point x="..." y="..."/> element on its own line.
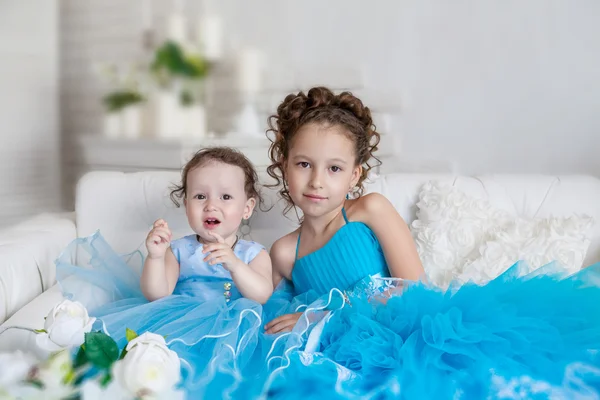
<point x="464" y="238"/>
<point x="540" y="241"/>
<point x="527" y="196"/>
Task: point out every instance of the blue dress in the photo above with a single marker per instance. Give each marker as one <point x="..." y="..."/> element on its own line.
<point x="365" y="335"/>
<point x="214" y="330"/>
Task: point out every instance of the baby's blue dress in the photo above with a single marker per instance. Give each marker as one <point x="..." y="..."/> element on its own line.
<point x="213" y="329"/>
<point x="526" y="337"/>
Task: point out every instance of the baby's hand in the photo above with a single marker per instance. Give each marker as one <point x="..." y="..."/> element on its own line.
<point x="158" y="239"/>
<point x="221" y="253"/>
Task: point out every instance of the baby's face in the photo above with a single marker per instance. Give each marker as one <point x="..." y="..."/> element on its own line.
<point x="216" y="200"/>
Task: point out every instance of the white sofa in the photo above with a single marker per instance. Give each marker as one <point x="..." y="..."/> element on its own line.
<point x="123" y="206"/>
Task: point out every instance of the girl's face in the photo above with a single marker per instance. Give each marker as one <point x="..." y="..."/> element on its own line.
<point x="216" y="200"/>
<point x="321" y="168"/>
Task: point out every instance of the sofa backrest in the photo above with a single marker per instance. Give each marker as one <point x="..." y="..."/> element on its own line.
<point x="524" y="195"/>
<point x="123" y="206"/>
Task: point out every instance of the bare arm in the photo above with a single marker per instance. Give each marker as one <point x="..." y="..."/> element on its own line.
<point x="254" y="280"/>
<point x="161" y="268"/>
<point x="282" y="254"/>
<point x="392" y="232"/>
<point x="159" y="276"/>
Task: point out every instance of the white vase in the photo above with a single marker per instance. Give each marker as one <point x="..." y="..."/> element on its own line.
<point x="132" y="122"/>
<point x="195" y="119"/>
<point x="248" y="121"/>
<point x="169" y="116"/>
<point x="112" y="125"/>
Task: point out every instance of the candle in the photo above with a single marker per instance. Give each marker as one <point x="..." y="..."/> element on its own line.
<point x="147" y="15"/>
<point x="210" y="34"/>
<point x="178" y="6"/>
<point x="250" y="70"/>
<point x="176" y="28"/>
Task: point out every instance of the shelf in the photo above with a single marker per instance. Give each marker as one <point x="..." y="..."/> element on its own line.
<point x="102" y="153"/>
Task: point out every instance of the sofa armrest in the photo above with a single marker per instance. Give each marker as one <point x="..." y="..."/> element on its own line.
<point x="31" y="316"/>
<point x="27" y="254"/>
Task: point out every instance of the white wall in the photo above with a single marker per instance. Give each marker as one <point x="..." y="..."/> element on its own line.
<point x="473" y="86"/>
<point x="29" y="147"/>
<point x="483" y="86"/>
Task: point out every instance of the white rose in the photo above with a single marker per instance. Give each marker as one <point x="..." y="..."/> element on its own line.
<point x="462" y="238"/>
<point x="91" y="390"/>
<point x="65" y="326"/>
<point x="147" y="338"/>
<point x="14" y="367"/>
<point x="149" y="369"/>
<point x="52" y="372"/>
<point x="23" y="391"/>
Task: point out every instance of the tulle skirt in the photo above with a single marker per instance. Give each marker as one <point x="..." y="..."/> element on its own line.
<point x="518" y="336"/>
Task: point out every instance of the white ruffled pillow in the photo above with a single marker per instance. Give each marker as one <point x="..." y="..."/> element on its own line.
<point x="463" y="238"/>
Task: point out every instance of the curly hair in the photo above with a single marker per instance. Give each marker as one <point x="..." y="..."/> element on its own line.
<point x="321" y="105"/>
<point x="226" y="155"/>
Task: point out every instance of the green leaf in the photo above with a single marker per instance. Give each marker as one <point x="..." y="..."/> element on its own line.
<point x="130" y="334"/>
<point x="80" y="358"/>
<point x="69" y="377"/>
<point x="100" y="349"/>
<point x="186" y="99"/>
<point x="41" y="331"/>
<point x="80" y="361"/>
<point x="105" y="380"/>
<point x="170" y="60"/>
<point x="36" y="383"/>
<point x="118" y="100"/>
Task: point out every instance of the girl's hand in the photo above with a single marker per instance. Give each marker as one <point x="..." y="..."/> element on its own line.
<point x="221" y="253"/>
<point x="158" y="240"/>
<point x="285" y="323"/>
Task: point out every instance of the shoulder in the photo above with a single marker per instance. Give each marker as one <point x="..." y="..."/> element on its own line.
<point x="245" y="245"/>
<point x="183" y="241"/>
<point x="183" y="245"/>
<point x="248" y="250"/>
<point x="372" y="208"/>
<point x="283" y="253"/>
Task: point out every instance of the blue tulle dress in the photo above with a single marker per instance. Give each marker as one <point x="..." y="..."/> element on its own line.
<point x="365" y="335"/>
<point x="213" y="329"/>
